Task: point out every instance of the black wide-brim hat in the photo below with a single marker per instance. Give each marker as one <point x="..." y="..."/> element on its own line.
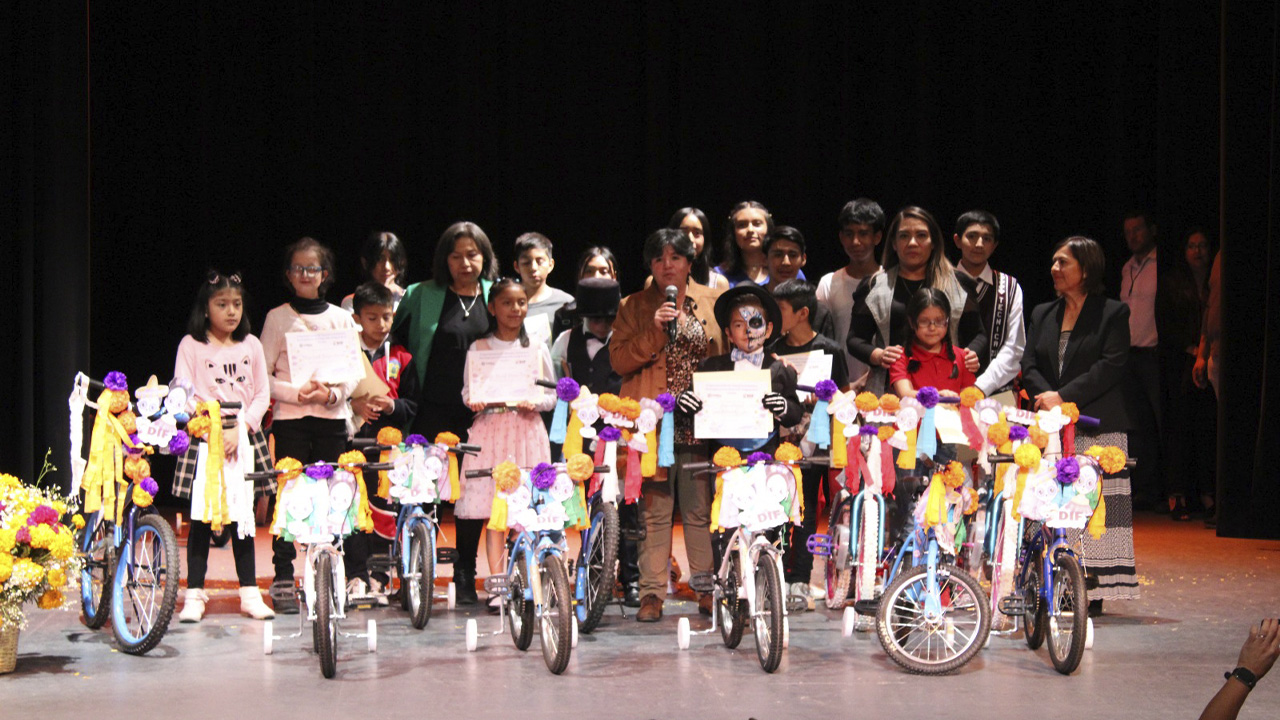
<point x="597" y="297"/>
<point x="771" y="309"/>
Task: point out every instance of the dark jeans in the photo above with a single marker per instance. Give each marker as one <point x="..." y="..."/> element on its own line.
<point x="307" y="440"/>
<point x="799" y="561"/>
<point x="198" y="555"/>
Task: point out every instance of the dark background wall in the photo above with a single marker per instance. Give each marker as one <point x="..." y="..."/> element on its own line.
<point x="215" y="133"/>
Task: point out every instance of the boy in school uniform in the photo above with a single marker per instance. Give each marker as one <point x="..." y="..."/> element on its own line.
<point x="999" y="300"/>
<point x="785" y="256"/>
<point x="373" y="307"/>
<point x="797" y="301"/>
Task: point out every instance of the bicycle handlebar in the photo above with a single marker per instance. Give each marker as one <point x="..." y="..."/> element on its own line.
<point x="367" y="444"/>
<point x="1128" y="464"/>
<point x="702" y="467"/>
<point x="485" y="472"/>
<point x="551" y="384"/>
<point x="276" y="473"/>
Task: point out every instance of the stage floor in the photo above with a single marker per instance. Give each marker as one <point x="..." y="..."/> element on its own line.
<point x="1158" y="657"/>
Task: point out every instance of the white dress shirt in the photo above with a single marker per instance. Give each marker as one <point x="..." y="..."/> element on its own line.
<point x="1006" y="360"/>
<point x="1138" y="291"/>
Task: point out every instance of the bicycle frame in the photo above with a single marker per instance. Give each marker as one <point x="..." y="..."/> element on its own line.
<point x="314" y="551"/>
<point x="748" y="546"/>
<point x="1046" y="546"/>
<point x="534" y="548"/>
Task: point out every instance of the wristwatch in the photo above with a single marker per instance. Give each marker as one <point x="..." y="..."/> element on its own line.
<point x="1244" y="675"/>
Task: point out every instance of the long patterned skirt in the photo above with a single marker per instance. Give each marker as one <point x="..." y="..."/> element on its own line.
<point x="1111" y="558"/>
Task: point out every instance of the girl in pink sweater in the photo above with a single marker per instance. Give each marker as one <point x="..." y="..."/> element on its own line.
<point x="223" y="362"/>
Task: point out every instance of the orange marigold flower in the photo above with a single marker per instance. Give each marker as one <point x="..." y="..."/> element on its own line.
<point x="727" y="457"/>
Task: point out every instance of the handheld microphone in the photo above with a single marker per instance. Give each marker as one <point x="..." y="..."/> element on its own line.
<point x="671" y="325"/>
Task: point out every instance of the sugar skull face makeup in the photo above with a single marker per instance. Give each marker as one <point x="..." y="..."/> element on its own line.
<point x="748" y="328"/>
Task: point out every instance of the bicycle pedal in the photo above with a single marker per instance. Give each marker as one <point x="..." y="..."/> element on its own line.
<point x="1014" y="605"/>
<point x="704" y="582"/>
<point x="633" y="534"/>
<point x="446" y="556"/>
<point x="820" y="545"/>
<point x="866" y="607"/>
<point x="797" y="603"/>
<point x="380" y="564"/>
<point x="497" y="584"/>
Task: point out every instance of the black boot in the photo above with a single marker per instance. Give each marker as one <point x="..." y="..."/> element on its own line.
<point x="629" y="573"/>
<point x="464" y="580"/>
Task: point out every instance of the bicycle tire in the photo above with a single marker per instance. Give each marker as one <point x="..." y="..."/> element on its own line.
<point x="145" y="591"/>
<point x="419" y="584"/>
<point x="769" y="617"/>
<point x="325" y="629"/>
<point x="1066" y="634"/>
<point x="928" y="647"/>
<point x="598" y="569"/>
<point x="864" y="580"/>
<point x="557" y="614"/>
<point x="521" y="608"/>
<point x="838" y="579"/>
<point x="1034" y="620"/>
<point x="97" y="572"/>
<point x="733" y="609"/>
<point x="400" y="564"/>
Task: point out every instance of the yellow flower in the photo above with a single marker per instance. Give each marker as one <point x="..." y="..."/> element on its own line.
<point x="141" y="497"/>
<point x="727" y="457"/>
<point x="6" y="567"/>
<point x="27" y="574"/>
<point x="788" y="453"/>
<point x="50" y="600"/>
<point x="57" y="577"/>
<point x="78" y="521"/>
<point x="506" y="476"/>
<point x="60" y="507"/>
<point x="42" y="536"/>
<point x="1027" y="456"/>
<point x="9" y="537"/>
<point x="63" y="547"/>
<point x="580" y="467"/>
<point x="7" y="480"/>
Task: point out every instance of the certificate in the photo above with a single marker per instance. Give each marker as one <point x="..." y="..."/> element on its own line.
<point x="731" y="405"/>
<point x="538" y="328"/>
<point x="502" y="376"/>
<point x="330" y="356"/>
<point x="811" y="368"/>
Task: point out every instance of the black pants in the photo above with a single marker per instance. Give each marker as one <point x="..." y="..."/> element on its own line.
<point x="469" y="533"/>
<point x="307" y="440"/>
<point x="198" y="555"/>
<point x="799" y="561"/>
<point x="1145" y="407"/>
<point x="628" y="550"/>
<point x="1192" y="448"/>
<point x="360" y="545"/>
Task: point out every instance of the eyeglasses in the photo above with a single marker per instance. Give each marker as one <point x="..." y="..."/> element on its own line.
<point x="306" y="269"/>
<point x="932" y="323"/>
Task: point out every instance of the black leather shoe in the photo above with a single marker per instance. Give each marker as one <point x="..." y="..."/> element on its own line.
<point x="631" y="595"/>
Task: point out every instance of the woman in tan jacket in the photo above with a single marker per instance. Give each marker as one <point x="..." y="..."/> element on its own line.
<point x="655" y="347"/>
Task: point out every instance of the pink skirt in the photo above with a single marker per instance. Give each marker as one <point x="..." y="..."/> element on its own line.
<point x="516" y="436"/>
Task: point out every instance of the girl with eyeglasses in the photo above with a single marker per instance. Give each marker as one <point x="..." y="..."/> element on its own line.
<point x="929" y="359"/>
<point x="310" y="417"/>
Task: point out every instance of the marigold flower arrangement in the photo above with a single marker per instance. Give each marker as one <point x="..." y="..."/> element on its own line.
<point x="37" y="547"/>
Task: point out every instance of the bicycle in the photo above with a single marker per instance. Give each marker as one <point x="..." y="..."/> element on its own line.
<point x="1051" y="596"/>
<point x="125" y="544"/>
<point x="413" y="484"/>
<point x="536" y="584"/>
<point x="757" y="499"/>
<point x="318" y="506"/>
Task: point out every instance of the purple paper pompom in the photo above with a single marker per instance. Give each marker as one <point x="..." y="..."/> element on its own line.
<point x="610" y="434"/>
<point x="825" y="390"/>
<point x="415" y="439"/>
<point x="319" y="471"/>
<point x="179" y="443"/>
<point x="928" y="396"/>
<point x="868" y="430"/>
<point x="543" y="476"/>
<point x="137" y="445"/>
<point x="1018" y="432"/>
<point x="1068" y="470"/>
<point x="43" y="515"/>
<point x="667" y="401"/>
<point x="567" y="389"/>
<point x="150" y="485"/>
<point x="758" y="457"/>
<point x="115" y="380"/>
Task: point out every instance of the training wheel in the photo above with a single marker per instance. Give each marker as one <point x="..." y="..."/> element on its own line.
<point x="848" y="622"/>
<point x="373" y="636"/>
<point x="267" y="636"/>
<point x="451" y="595"/>
<point x="473" y="635"/>
<point x="682" y="634"/>
<point x="1088" y="634"/>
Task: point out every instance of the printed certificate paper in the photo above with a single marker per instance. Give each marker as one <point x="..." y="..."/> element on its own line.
<point x="330" y="357"/>
<point x="502" y="376"/>
<point x="811" y="368"/>
<point x="731" y="405"/>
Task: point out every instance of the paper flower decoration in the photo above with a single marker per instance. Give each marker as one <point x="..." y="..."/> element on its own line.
<point x="580" y="467"/>
<point x="390" y="436"/>
<point x="788" y="453"/>
<point x="1071" y="411"/>
<point x="825" y="390"/>
<point x="319" y="471"/>
<point x="1038" y="437"/>
<point x="543" y="476"/>
<point x="667" y="401"/>
<point x="953" y="475"/>
<point x="890" y="403"/>
<point x="1068" y="470"/>
<point x="1027" y="456"/>
<point x="447" y="438"/>
<point x="116" y="380"/>
<point x="150" y="485"/>
<point x="758" y="457"/>
<point x="506" y="476"/>
<point x="288" y="468"/>
<point x="868" y="431"/>
<point x="971" y="396"/>
<point x="1018" y="432"/>
<point x="567" y="389"/>
<point x="351" y="459"/>
<point x="611" y="434"/>
<point x="998" y="433"/>
<point x="867" y="402"/>
<point x="927" y="396"/>
<point x="885" y="432"/>
<point x="179" y="443"/>
<point x="727" y="457"/>
<point x="1111" y="459"/>
<point x="415" y="439"/>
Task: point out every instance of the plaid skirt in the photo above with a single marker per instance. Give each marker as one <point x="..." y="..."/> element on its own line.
<point x="185" y="472"/>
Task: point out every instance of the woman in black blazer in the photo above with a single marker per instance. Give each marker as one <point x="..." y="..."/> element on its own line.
<point x="1077" y="347"/>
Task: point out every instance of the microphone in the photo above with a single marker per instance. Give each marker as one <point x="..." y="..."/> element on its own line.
<point x="671" y="326"/>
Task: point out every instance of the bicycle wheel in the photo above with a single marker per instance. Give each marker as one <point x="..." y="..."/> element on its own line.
<point x="400" y="563"/>
<point x="145" y="590"/>
<point x="838" y="574"/>
<point x="521" y="608"/>
<point x="1033" y="612"/>
<point x="325" y="629"/>
<point x="864" y="580"/>
<point x="557" y="615"/>
<point x="1068" y="614"/>
<point x="419" y="582"/>
<point x="95" y="544"/>
<point x="733" y="609"/>
<point x="768" y="616"/>
<point x="933" y="645"/>
<point x="598" y="569"/>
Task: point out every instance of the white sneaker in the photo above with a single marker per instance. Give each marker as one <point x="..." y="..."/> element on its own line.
<point x="801" y="589"/>
<point x="193" y="606"/>
<point x="379" y="591"/>
<point x="251" y="604"/>
<point x="356" y="589"/>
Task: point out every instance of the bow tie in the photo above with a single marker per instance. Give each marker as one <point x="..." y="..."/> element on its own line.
<point x="756" y="358"/>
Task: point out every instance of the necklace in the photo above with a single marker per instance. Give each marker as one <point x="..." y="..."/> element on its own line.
<point x="466" y="309"/>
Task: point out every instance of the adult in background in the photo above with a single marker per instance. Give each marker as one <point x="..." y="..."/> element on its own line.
<point x="1140" y="284"/>
<point x="693" y="222"/>
<point x="1077" y="349"/>
<point x="655" y="347"/>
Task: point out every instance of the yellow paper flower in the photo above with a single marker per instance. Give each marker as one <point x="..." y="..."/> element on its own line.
<point x="1111" y="459"/>
<point x="128" y="421"/>
<point x="198" y="426"/>
<point x="580" y="467"/>
<point x="889" y="403"/>
<point x="117" y="400"/>
<point x="141" y="497"/>
<point x="970" y="396"/>
<point x="998" y="433"/>
<point x="289" y="469"/>
<point x="1070" y="410"/>
<point x="788" y="453"/>
<point x="506" y="476"/>
<point x="136" y="468"/>
<point x="629" y="409"/>
<point x="609" y="402"/>
<point x="1038" y="437"/>
<point x="866" y="402"/>
<point x="350" y="459"/>
<point x="1027" y="456"/>
<point x="447" y="438"/>
<point x="953" y="475"/>
<point x="885" y="432"/>
<point x="727" y="457"/>
<point x="390" y="436"/>
<point x="50" y="600"/>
